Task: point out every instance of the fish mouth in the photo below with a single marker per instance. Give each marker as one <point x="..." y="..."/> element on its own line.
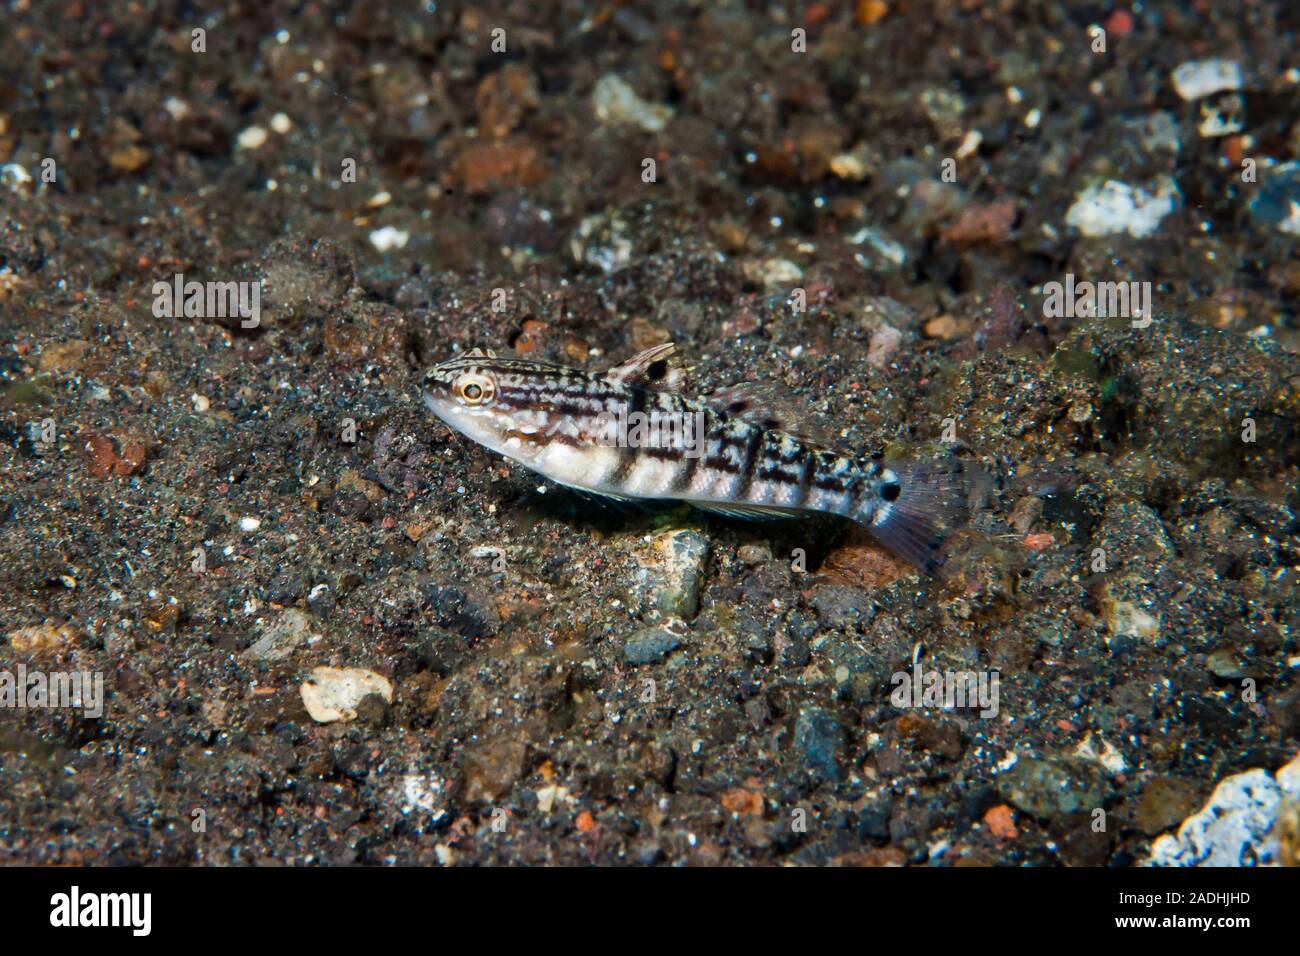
<point x="441" y="408"/>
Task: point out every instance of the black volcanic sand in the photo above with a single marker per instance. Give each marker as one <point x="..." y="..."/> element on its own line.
<point x="518" y="624"/>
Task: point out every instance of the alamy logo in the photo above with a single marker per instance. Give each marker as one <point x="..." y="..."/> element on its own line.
<point x="103" y="909"/>
<point x="680" y="431"/>
<point x="950" y="690"/>
<point x="208" y="300"/>
<point x="21" y="689"/>
<point x="1098" y="300"/>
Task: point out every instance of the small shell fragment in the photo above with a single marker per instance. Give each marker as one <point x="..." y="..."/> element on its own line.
<point x="333" y="693"/>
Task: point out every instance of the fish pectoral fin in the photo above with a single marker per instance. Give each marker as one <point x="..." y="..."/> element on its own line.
<point x="747" y="512"/>
<point x="655" y="367"/>
<point x="561" y="426"/>
<point x="624" y="503"/>
<point x="605" y="495"/>
<point x="618" y="502"/>
<point x="768" y="406"/>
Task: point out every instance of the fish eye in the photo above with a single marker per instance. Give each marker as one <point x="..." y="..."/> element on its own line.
<point x="474" y="389"/>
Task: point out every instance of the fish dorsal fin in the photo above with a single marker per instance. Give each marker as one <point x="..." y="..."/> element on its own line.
<point x="654" y="367"/>
<point x="480" y="353"/>
<point x="767" y="406"/>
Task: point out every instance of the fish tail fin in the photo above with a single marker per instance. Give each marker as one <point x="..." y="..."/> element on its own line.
<point x="915" y="519"/>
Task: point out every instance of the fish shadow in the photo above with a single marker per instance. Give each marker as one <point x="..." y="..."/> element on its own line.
<point x="813" y="535"/>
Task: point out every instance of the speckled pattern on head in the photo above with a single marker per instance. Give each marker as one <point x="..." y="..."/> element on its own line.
<point x="557" y="422"/>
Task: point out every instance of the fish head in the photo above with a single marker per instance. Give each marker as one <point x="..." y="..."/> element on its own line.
<point x="489" y="400"/>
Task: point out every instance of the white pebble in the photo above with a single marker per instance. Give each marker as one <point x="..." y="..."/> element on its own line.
<point x="1114" y="207"/>
<point x="970" y="143"/>
<point x="1199" y="78"/>
<point x="15" y="177"/>
<point x="281" y="123"/>
<point x="1237" y="826"/>
<point x="616" y="103"/>
<point x="884" y="342"/>
<point x="177" y="107"/>
<point x="883" y="245"/>
<point x="389" y="238"/>
<point x="780" y="272"/>
<point x="251" y="138"/>
<point x="249" y="523"/>
<point x="1215" y="123"/>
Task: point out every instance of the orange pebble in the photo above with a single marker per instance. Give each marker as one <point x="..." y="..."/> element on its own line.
<point x="1039" y="542"/>
<point x="1001" y="822"/>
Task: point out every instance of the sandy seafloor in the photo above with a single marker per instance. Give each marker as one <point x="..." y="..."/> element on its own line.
<point x="559" y="682"/>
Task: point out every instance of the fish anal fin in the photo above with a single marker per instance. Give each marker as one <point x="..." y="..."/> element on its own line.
<point x="746" y="512"/>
